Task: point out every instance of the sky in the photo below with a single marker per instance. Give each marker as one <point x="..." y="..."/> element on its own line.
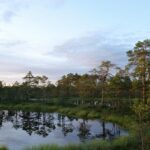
<point x="56" y="37"/>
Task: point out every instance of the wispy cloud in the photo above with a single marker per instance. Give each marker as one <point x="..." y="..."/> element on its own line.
<point x="78" y="55"/>
<point x="11" y="8"/>
<point x="8" y="15"/>
<point x="90" y="50"/>
<point x="11" y="43"/>
<point x="8" y="10"/>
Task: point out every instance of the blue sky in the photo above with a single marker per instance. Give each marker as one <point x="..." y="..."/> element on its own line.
<point x="55" y="37"/>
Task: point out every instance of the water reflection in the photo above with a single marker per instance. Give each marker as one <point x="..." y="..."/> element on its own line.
<point x="49" y="125"/>
<point x="44" y="123"/>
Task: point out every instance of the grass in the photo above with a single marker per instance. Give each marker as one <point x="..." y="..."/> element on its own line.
<point x="38" y="107"/>
<point x="123" y="143"/>
<point x="126" y="121"/>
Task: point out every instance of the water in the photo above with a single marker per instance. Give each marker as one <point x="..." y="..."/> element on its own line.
<point x="20" y="129"/>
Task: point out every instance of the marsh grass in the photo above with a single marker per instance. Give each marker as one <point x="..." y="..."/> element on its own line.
<point x="122" y="143"/>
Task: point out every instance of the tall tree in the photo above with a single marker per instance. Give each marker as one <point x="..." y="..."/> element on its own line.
<point x="29" y="79"/>
<point x="119" y="85"/>
<point x="86" y="88"/>
<point x="103" y="72"/>
<point x="139" y="63"/>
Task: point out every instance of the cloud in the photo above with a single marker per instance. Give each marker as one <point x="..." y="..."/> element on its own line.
<point x="11" y="43"/>
<point x="18" y="57"/>
<point x="78" y="55"/>
<point x="85" y="53"/>
<point x="8" y="15"/>
<point x="90" y="50"/>
<point x="11" y="8"/>
<point x="59" y="2"/>
<point x="8" y="10"/>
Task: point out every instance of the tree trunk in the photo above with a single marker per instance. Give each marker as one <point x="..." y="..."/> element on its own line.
<point x="141" y="132"/>
<point x="144" y="90"/>
<point x="102" y="98"/>
<point x="144" y="79"/>
<point x="104" y="129"/>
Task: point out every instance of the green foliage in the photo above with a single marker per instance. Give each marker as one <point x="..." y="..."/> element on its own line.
<point x="141" y="110"/>
<point x="3" y="148"/>
<point x="139" y="63"/>
<point x="93" y="114"/>
<point x="82" y="113"/>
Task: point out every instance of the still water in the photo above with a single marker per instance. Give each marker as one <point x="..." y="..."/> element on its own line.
<point x="20" y="129"/>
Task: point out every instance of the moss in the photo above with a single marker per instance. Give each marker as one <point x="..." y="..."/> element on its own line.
<point x="93" y="114"/>
<point x="82" y="114"/>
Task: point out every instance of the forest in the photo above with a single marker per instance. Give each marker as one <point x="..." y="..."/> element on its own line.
<point x="108" y="84"/>
<point x="113" y="89"/>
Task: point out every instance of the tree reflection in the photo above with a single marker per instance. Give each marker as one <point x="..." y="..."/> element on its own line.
<point x="107" y="132"/>
<point x="65" y="124"/>
<point x="84" y="130"/>
<point x="43" y="124"/>
<point x="1" y="118"/>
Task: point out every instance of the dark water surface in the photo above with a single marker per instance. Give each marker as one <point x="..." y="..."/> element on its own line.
<point x="20" y="129"/>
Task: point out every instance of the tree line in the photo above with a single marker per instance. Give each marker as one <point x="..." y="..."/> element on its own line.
<point x="107" y="85"/>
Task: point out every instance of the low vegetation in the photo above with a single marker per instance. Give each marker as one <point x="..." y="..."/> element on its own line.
<point x="122" y="143"/>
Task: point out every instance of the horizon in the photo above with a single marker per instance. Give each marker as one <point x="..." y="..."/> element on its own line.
<point x="57" y="37"/>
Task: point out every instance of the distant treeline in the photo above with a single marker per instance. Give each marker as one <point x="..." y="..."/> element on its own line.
<point x="107" y="85"/>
